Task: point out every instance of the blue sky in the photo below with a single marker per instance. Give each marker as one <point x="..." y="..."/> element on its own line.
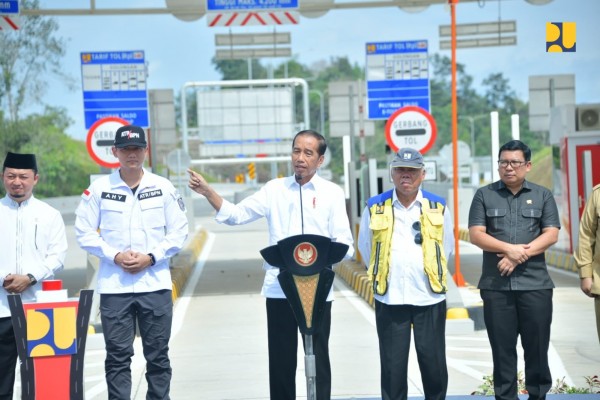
<point x="180" y="51"/>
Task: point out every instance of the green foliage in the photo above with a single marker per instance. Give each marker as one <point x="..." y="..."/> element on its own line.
<point x="64" y="164"/>
<point x="593" y="382"/>
<point x="240" y="69"/>
<point x="27" y="55"/>
<point x="497" y="96"/>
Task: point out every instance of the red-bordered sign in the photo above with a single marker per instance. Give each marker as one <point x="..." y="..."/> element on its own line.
<point x="260" y="18"/>
<point x="100" y="140"/>
<point x="410" y="127"/>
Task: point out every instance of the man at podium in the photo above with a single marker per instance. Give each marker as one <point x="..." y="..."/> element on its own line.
<point x="303" y="203"/>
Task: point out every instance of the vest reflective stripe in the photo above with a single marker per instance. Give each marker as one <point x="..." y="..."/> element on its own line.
<point x="381" y="225"/>
<point x="434" y="258"/>
<point x="432" y="231"/>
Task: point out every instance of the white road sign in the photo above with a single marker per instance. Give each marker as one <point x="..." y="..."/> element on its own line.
<point x="410" y="127"/>
<point x="100" y="139"/>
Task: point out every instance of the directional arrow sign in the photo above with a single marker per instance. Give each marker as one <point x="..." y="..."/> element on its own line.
<point x="100" y="139"/>
<point x="411" y="127"/>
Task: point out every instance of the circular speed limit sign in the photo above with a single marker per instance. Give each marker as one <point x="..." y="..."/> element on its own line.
<point x="410" y="127"/>
<point x="100" y="139"/>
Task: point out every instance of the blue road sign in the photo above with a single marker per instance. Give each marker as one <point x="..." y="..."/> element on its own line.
<point x="9" y="7"/>
<point x="114" y="85"/>
<point x="397" y="76"/>
<point x="229" y="5"/>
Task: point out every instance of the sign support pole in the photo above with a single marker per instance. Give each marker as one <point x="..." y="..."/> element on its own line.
<point x="352" y="122"/>
<point x="458" y="278"/>
<point x="361" y="122"/>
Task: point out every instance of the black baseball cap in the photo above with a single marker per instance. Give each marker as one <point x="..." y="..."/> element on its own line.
<point x="130" y="135"/>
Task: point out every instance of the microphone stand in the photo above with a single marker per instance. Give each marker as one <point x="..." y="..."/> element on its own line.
<point x="299" y="180"/>
<point x="310" y="366"/>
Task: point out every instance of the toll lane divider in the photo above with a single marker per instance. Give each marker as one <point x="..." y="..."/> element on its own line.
<point x="182" y="264"/>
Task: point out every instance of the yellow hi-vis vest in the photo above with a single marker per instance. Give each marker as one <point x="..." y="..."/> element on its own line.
<point x="432" y="231"/>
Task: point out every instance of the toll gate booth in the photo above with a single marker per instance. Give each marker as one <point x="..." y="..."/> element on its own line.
<point x="576" y="130"/>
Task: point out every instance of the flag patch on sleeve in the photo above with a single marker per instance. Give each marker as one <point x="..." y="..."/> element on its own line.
<point x="86" y="194"/>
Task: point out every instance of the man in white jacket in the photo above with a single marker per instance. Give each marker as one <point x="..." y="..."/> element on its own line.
<point x="134" y="221"/>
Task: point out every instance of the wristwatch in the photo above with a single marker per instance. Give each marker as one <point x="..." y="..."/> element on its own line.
<point x="32" y="280"/>
<point x="152" y="259"/>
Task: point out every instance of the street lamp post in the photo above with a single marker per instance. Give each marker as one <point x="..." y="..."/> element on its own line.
<point x="321" y="110"/>
<point x="472" y="122"/>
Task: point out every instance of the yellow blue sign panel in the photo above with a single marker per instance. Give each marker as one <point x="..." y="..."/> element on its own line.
<point x="51" y="331"/>
<point x="397" y="76"/>
<point x="114" y="85"/>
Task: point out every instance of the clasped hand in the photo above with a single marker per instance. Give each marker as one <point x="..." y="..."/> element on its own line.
<point x="516" y="255"/>
<point x="132" y="261"/>
<point x="14" y="283"/>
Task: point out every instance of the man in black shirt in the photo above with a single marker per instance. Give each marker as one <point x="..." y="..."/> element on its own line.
<point x="514" y="221"/>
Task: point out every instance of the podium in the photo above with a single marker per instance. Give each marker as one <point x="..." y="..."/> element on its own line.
<point x="51" y="337"/>
<point x="306" y="278"/>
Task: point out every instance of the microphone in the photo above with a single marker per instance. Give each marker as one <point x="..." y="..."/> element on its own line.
<point x="299" y="179"/>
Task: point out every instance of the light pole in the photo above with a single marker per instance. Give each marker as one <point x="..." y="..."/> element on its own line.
<point x="472" y="121"/>
<point x="321" y="110"/>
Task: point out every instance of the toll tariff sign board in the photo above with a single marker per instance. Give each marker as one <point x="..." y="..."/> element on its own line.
<point x="114" y="85"/>
<point x="397" y="76"/>
<point x="410" y="127"/>
<point x="100" y="140"/>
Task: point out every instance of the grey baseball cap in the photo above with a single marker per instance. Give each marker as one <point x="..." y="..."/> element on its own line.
<point x="407" y="158"/>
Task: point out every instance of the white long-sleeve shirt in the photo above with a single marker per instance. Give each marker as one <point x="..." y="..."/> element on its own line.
<point x="32" y="241"/>
<point x="323" y="212"/>
<point x="408" y="283"/>
<point x="111" y="219"/>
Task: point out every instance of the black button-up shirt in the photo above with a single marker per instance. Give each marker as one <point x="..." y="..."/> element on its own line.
<point x="515" y="219"/>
